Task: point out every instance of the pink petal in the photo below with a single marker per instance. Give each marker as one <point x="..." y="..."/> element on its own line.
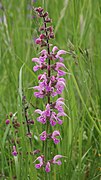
<point x="38" y="111"/>
<point x="41" y="119"/>
<point x="38" y="41"/>
<point x="60" y="99"/>
<point x="47" y="168"/>
<point x="61" y="114"/>
<point x="55" y="133"/>
<point x="55" y="159"/>
<point x="38" y="95"/>
<point x="36" y="68"/>
<point x="60" y="52"/>
<point x="52" y="122"/>
<point x="59" y="65"/>
<point x="55" y="48"/>
<point x="36" y="60"/>
<point x="43" y="52"/>
<point x="61" y="73"/>
<point x="43" y="136"/>
<point x="38" y="166"/>
<point x="56" y="141"/>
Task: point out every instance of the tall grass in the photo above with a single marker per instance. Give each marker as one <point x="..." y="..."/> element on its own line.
<point x="77" y="26"/>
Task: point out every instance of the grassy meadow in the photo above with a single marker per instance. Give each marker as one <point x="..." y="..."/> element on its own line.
<point x="77" y="27"/>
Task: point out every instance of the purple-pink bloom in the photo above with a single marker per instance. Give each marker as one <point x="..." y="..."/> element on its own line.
<point x="54" y="134"/>
<point x="7" y="121"/>
<point x="43" y="136"/>
<point x="47" y="168"/>
<point x="56" y="161"/>
<point x="41" y="162"/>
<point x="52" y="122"/>
<point x="59" y="103"/>
<point x="14" y="152"/>
<point x="59" y="53"/>
<point x="59" y="86"/>
<point x="57" y="67"/>
<point x="40" y="63"/>
<point x="55" y="48"/>
<point x="44" y="114"/>
<point x="38" y="41"/>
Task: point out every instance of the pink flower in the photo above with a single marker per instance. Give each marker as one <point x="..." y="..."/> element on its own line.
<point x="59" y="53"/>
<point x="54" y="134"/>
<point x="14" y="152"/>
<point x="38" y="41"/>
<point x="56" y="161"/>
<point x="44" y="114"/>
<point x="52" y="122"/>
<point x="47" y="168"/>
<point x="55" y="48"/>
<point x="40" y="63"/>
<point x="57" y="67"/>
<point x="42" y="36"/>
<point x="44" y="88"/>
<point x="40" y="159"/>
<point x="59" y="103"/>
<point x="43" y="136"/>
<point x="43" y="52"/>
<point x="7" y="121"/>
<point x="60" y="86"/>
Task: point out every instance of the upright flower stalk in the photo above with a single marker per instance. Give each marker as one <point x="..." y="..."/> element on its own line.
<point x="51" y="84"/>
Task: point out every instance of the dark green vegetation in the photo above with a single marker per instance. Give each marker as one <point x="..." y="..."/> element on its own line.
<point x="77" y="25"/>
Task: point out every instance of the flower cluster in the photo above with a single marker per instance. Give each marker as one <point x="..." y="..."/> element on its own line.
<point x="51" y="83"/>
<point x="42" y="163"/>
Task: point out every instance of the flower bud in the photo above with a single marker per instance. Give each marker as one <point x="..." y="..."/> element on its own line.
<point x="7" y="121"/>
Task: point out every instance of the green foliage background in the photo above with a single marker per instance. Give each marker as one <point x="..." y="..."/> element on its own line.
<point x="77" y="26"/>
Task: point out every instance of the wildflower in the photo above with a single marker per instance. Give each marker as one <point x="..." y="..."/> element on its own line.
<point x="59" y="53"/>
<point x="43" y="136"/>
<point x="7" y="121"/>
<point x="14" y="152"/>
<point x="47" y="168"/>
<point x="51" y="83"/>
<point x="54" y="134"/>
<point x="56" y="161"/>
<point x="41" y="160"/>
<point x="58" y="104"/>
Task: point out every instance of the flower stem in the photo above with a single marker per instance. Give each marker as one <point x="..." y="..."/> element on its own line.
<point x="49" y="74"/>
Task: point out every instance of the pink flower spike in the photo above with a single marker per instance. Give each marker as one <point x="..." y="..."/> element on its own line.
<point x="56" y="161"/>
<point x="40" y="159"/>
<point x="43" y="136"/>
<point x="14" y="153"/>
<point x="47" y="168"/>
